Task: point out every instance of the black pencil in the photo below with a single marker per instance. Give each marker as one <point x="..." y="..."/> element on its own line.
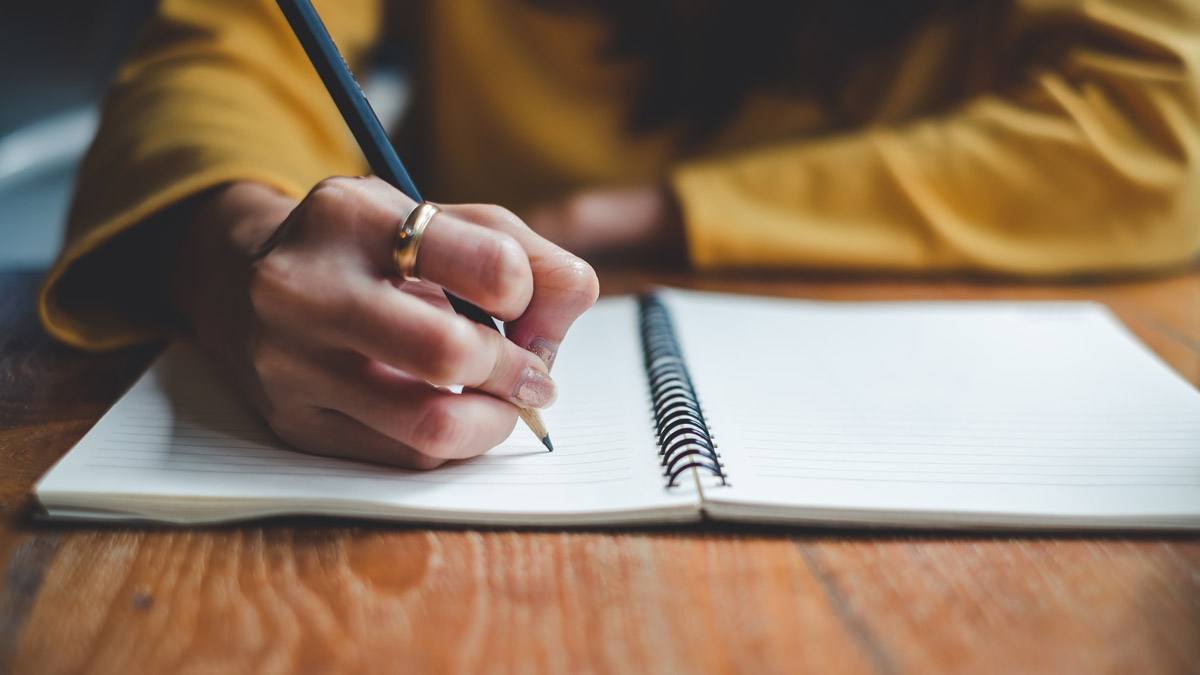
<point x="374" y="142"/>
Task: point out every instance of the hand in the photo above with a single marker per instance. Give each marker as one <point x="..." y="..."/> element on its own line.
<point x="640" y="224"/>
<point x="343" y="358"/>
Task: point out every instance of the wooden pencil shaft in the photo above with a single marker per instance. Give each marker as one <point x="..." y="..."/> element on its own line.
<point x="533" y="419"/>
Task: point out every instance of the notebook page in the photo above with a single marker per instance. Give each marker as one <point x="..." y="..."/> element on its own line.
<point x="970" y="414"/>
<point x="181" y="447"/>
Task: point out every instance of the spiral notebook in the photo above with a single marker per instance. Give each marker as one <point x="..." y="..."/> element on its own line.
<point x="681" y="406"/>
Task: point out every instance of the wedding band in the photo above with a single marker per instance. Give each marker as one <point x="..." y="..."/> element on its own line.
<point x="408" y="239"/>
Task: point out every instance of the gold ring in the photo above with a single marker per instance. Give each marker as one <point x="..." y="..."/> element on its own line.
<point x="408" y="239"/>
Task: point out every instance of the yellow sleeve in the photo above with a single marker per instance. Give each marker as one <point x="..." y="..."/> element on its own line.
<point x="1087" y="161"/>
<point x="215" y="91"/>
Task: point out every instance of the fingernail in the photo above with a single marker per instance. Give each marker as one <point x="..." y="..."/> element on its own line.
<point x="535" y="389"/>
<point x="545" y="350"/>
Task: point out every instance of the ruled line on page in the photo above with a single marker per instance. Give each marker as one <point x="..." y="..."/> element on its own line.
<point x="190" y="424"/>
<point x="185" y="445"/>
<point x="822" y="417"/>
<point x="961" y="481"/>
<point x="1079" y="470"/>
<point x="281" y="449"/>
<point x="898" y="408"/>
<point x="167" y="439"/>
<point x="769" y="409"/>
<point x="568" y="441"/>
<point x="882" y="432"/>
<point x="228" y="458"/>
<point x="430" y="477"/>
<point x="381" y="472"/>
<point x="297" y="464"/>
<point x="928" y="442"/>
<point x="891" y="453"/>
<point x="134" y="436"/>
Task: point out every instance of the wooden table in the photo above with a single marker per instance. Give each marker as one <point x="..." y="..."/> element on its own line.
<point x="325" y="596"/>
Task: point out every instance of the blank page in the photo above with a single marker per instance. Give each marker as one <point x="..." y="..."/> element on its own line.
<point x="972" y="414"/>
<point x="181" y="447"/>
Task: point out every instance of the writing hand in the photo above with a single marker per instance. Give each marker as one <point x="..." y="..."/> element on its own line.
<point x="300" y="302"/>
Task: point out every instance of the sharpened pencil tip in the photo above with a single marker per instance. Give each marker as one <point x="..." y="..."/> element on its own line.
<point x="534" y="419"/>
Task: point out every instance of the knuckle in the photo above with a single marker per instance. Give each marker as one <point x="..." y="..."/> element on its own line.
<point x="499" y="218"/>
<point x="284" y="290"/>
<point x="332" y="187"/>
<point x="504" y="271"/>
<point x="502" y="363"/>
<point x="329" y="190"/>
<point x="573" y="275"/>
<point x="451" y="348"/>
<point x="272" y="281"/>
<point x="340" y="309"/>
<point x="288" y="290"/>
<point x="370" y="182"/>
<point x="330" y="199"/>
<point x="440" y="430"/>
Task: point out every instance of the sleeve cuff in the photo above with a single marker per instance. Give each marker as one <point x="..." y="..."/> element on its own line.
<point x="104" y="326"/>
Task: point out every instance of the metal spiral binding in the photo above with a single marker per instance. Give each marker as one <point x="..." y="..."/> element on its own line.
<point x="684" y="441"/>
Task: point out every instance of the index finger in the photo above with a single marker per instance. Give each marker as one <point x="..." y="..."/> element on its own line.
<point x="564" y="286"/>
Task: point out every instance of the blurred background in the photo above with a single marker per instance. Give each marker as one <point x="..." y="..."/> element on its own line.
<point x="55" y="61"/>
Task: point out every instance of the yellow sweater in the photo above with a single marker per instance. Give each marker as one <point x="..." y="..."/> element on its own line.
<point x="1063" y="139"/>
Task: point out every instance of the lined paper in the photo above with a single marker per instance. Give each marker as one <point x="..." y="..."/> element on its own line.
<point x="922" y="413"/>
<point x="181" y="446"/>
<point x="916" y="414"/>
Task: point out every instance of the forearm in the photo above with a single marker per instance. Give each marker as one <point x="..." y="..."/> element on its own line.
<point x="1088" y="162"/>
<point x="215" y="92"/>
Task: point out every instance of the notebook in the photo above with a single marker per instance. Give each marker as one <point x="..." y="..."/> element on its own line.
<point x="681" y="406"/>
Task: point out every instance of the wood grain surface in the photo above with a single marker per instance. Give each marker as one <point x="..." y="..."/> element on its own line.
<point x="323" y="596"/>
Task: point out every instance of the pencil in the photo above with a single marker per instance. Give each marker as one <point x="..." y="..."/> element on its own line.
<point x="374" y="142"/>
